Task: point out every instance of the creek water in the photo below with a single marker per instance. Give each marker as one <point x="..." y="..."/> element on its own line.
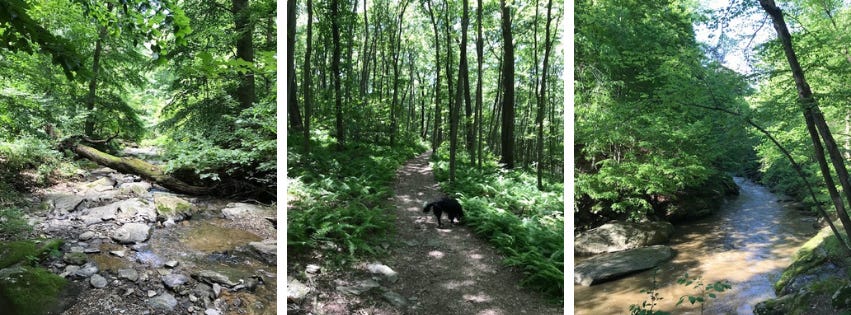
<point x="748" y="243"/>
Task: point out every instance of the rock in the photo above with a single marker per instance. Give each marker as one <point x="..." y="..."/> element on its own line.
<point x="171" y="264"/>
<point x="395" y="298"/>
<point x="203" y="290"/>
<point x="131" y="233"/>
<point x="87" y="235"/>
<point x="98" y="214"/>
<point x="133" y="208"/>
<point x="239" y="210"/>
<point x="91" y="250"/>
<point x="86" y="270"/>
<point x="148" y="257"/>
<point x="69" y="270"/>
<point x="64" y="202"/>
<point x="174" y="281"/>
<point x="217" y="290"/>
<point x="213" y="277"/>
<point x="211" y="311"/>
<point x="98" y="281"/>
<point x="76" y="249"/>
<point x="607" y="266"/>
<point x="138" y="189"/>
<point x="360" y="288"/>
<point x="165" y="302"/>
<point x="129" y="274"/>
<point x="311" y="268"/>
<point x="152" y="293"/>
<point x="75" y="258"/>
<point x="383" y="270"/>
<point x="119" y="253"/>
<point x="172" y="208"/>
<point x="619" y="235"/>
<point x="267" y="250"/>
<point x="129" y="291"/>
<point x="296" y="290"/>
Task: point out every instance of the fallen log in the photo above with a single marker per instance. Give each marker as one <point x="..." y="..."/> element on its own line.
<point x="131" y="165"/>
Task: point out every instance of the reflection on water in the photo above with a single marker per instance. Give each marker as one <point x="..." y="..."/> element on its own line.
<point x="749" y="242"/>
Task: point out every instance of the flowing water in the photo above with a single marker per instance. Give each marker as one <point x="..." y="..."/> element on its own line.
<point x="748" y="242"/>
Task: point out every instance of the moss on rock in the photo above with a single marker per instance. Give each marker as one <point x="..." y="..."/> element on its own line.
<point x="28" y="290"/>
<point x="819" y="249"/>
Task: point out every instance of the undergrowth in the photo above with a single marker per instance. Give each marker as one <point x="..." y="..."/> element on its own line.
<point x="337" y="198"/>
<point x="506" y="207"/>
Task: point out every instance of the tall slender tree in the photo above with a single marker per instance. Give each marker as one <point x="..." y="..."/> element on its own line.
<point x="244" y="27"/>
<point x="507" y="89"/>
<point x="308" y="77"/>
<point x="292" y="100"/>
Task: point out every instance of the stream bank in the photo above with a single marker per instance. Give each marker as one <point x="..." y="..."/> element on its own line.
<point x="130" y="247"/>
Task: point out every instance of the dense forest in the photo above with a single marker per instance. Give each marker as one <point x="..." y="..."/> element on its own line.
<point x="470" y="89"/>
<point x="663" y="121"/>
<point x="119" y="122"/>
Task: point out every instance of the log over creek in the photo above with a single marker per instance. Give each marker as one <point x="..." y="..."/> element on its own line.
<point x="748" y="243"/>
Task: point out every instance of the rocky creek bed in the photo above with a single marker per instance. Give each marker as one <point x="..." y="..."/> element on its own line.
<point x="129" y="247"/>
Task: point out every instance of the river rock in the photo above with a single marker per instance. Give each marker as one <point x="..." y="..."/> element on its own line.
<point x="267" y="250"/>
<point x="607" y="266"/>
<point x="129" y="274"/>
<point x="98" y="281"/>
<point x="131" y="233"/>
<point x="75" y="258"/>
<point x="240" y="210"/>
<point x="98" y="214"/>
<point x="86" y="270"/>
<point x="165" y="302"/>
<point x="172" y="208"/>
<point x="133" y="208"/>
<point x="296" y="290"/>
<point x="383" y="270"/>
<point x="619" y="235"/>
<point x="395" y="298"/>
<point x="100" y="185"/>
<point x="360" y="287"/>
<point x="212" y="277"/>
<point x="174" y="280"/>
<point x="139" y="189"/>
<point x="64" y="202"/>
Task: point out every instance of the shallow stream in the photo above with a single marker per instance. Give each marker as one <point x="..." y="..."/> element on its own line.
<point x="748" y="242"/>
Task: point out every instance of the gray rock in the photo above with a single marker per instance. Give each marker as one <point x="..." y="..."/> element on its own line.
<point x="174" y="280"/>
<point x="131" y="233"/>
<point x="165" y="302"/>
<point x="97" y="281"/>
<point x="172" y="208"/>
<point x="211" y="311"/>
<point x="619" y="235"/>
<point x="394" y="298"/>
<point x="100" y="185"/>
<point x="212" y="277"/>
<point x="98" y="214"/>
<point x="383" y="270"/>
<point x="135" y="208"/>
<point x="152" y="293"/>
<point x="76" y="249"/>
<point x="139" y="189"/>
<point x="239" y="210"/>
<point x="312" y="268"/>
<point x="64" y="202"/>
<point x="217" y="290"/>
<point x="86" y="270"/>
<point x="128" y="274"/>
<point x="267" y="250"/>
<point x="296" y="290"/>
<point x="171" y="263"/>
<point x="69" y="270"/>
<point x="607" y="266"/>
<point x="203" y="290"/>
<point x="87" y="235"/>
<point x="75" y="258"/>
<point x="119" y="253"/>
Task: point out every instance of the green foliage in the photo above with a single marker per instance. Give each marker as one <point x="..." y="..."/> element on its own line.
<point x="646" y="307"/>
<point x="505" y="207"/>
<point x="18" y="291"/>
<point x="337" y="199"/>
<point x="24" y="154"/>
<point x="704" y="291"/>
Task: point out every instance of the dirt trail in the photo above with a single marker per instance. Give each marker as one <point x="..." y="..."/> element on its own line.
<point x="449" y="270"/>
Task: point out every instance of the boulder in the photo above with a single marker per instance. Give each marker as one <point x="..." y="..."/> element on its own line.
<point x="620" y="235"/>
<point x="608" y="266"/>
<point x="64" y="202"/>
<point x="267" y="250"/>
<point x="173" y="281"/>
<point x="212" y="277"/>
<point x="239" y="210"/>
<point x="138" y="189"/>
<point x="125" y="210"/>
<point x="131" y="233"/>
<point x="172" y="208"/>
<point x="383" y="270"/>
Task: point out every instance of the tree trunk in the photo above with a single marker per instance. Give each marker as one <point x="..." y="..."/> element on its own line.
<point x="459" y="93"/>
<point x="468" y="104"/>
<point x="479" y="56"/>
<point x="139" y="167"/>
<point x="449" y="85"/>
<point x="396" y="43"/>
<point x="292" y="100"/>
<point x="90" y="98"/>
<point x="508" y="89"/>
<point x="244" y="50"/>
<point x="335" y="72"/>
<point x="308" y="98"/>
<point x="812" y="114"/>
<point x="542" y="96"/>
<point x="365" y="69"/>
<point x="437" y="138"/>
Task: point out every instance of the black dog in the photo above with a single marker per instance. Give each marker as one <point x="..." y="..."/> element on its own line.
<point x="448" y="205"/>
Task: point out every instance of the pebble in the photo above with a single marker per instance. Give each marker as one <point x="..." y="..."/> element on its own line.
<point x="152" y="293"/>
<point x="211" y="311"/>
<point x="311" y="268"/>
<point x="91" y="250"/>
<point x="129" y="291"/>
<point x="119" y="253"/>
<point x="98" y="281"/>
<point x="171" y="263"/>
<point x="87" y="235"/>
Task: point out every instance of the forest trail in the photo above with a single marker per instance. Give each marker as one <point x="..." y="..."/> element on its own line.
<point x="449" y="270"/>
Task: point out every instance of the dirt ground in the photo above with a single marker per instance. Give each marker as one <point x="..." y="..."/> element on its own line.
<point x="440" y="270"/>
